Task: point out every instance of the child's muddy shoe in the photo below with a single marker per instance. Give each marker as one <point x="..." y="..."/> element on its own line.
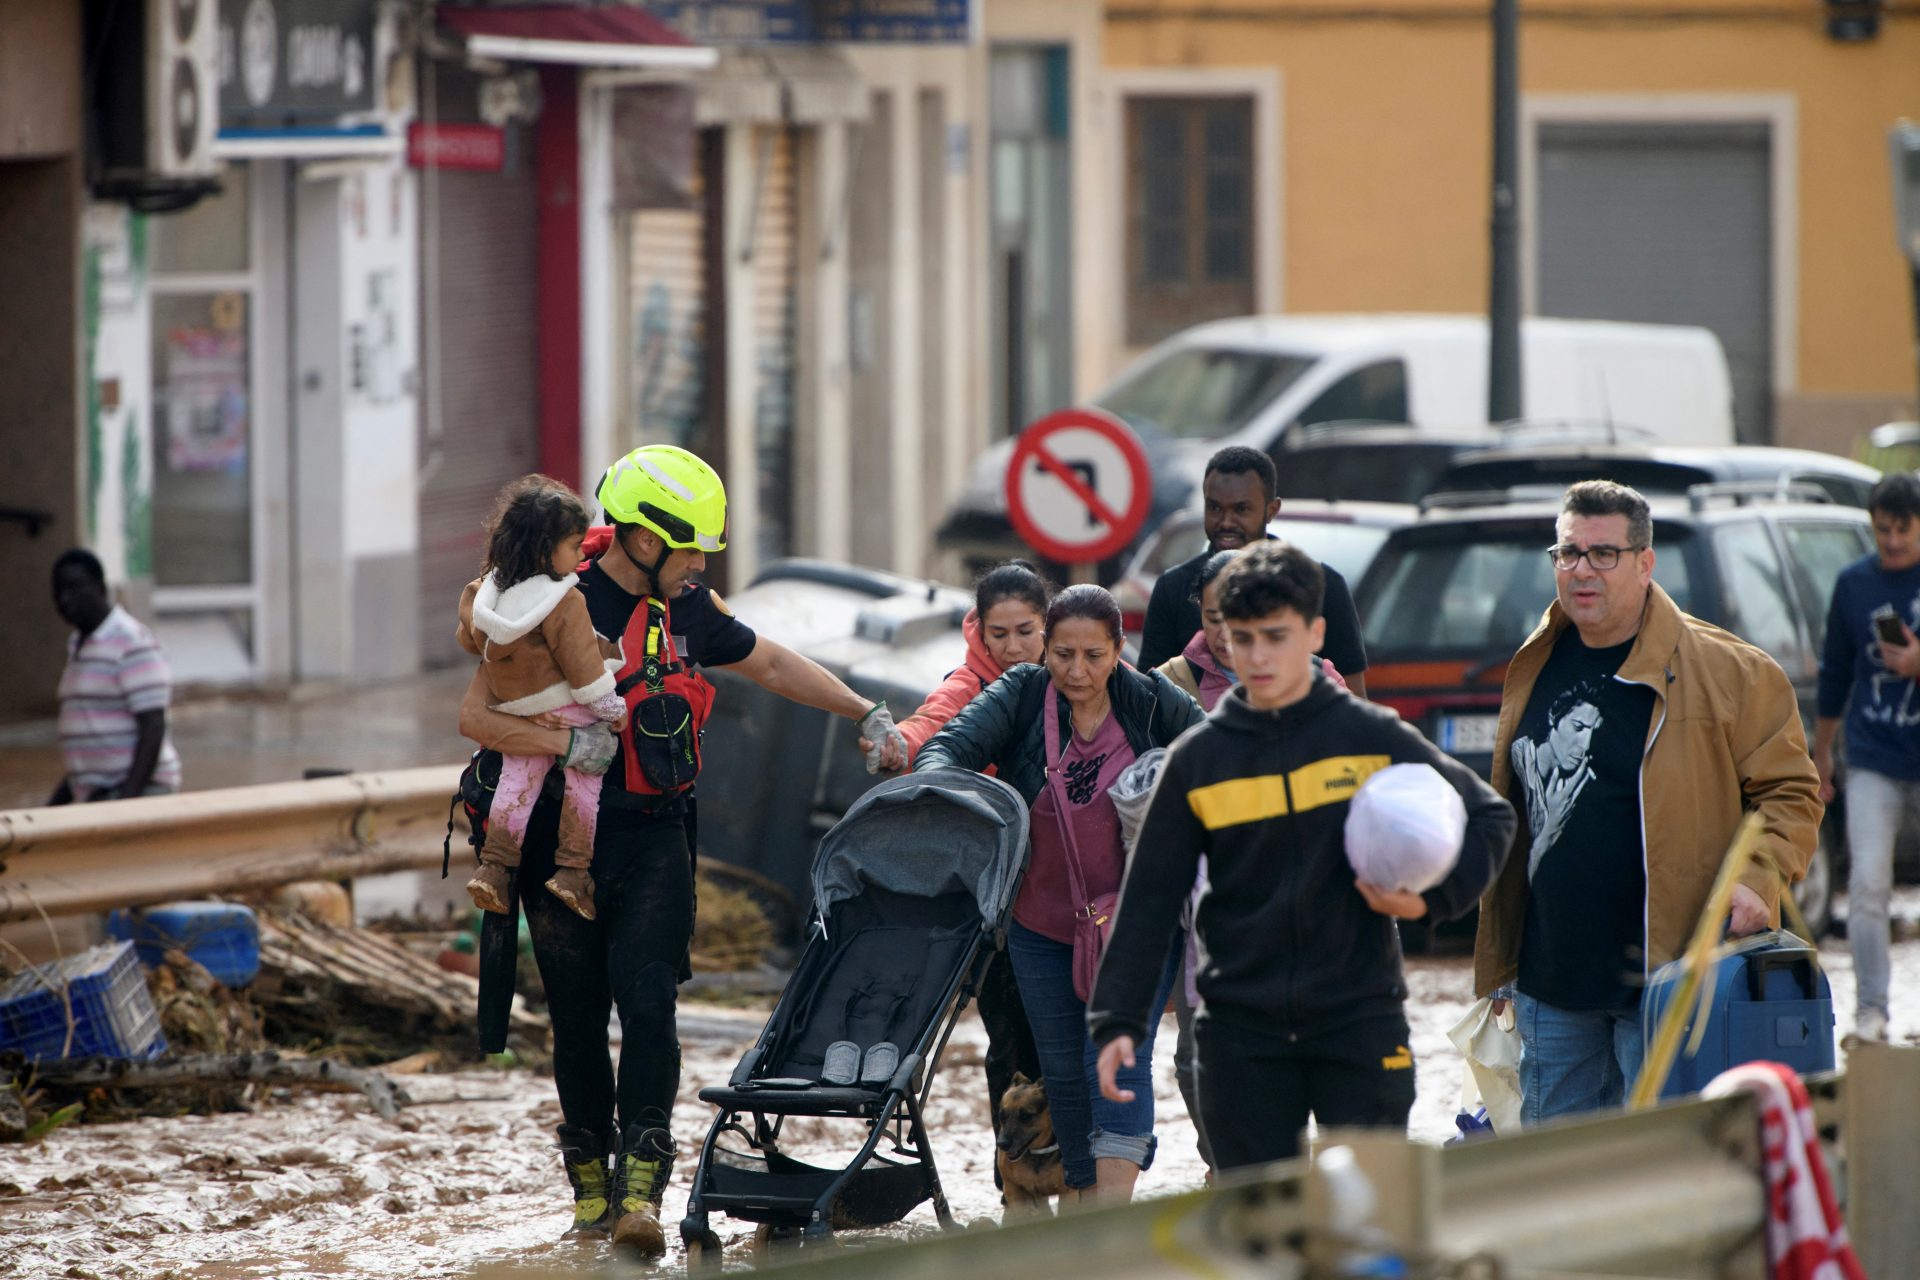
<point x="489" y="888"/>
<point x="573" y="886"/>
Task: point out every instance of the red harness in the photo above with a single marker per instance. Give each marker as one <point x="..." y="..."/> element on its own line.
<point x="667" y="702"/>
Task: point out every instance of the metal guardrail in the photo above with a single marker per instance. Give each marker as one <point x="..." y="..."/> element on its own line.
<point x="93" y="857"/>
<point x="1676" y="1191"/>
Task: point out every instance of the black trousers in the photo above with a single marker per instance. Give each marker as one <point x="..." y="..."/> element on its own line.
<point x="1257" y="1088"/>
<point x="1009" y="1038"/>
<point x="629" y="958"/>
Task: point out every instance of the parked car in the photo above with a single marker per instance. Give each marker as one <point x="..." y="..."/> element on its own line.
<point x="1344" y="535"/>
<point x="788" y="772"/>
<point x="1657" y="469"/>
<point x="1258" y="379"/>
<point x="1451" y="596"/>
<point x="1367" y="462"/>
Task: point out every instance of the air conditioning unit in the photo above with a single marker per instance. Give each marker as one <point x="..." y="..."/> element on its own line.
<point x="153" y="99"/>
<point x="183" y="87"/>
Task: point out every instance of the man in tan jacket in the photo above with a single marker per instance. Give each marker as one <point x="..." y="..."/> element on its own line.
<point x="1633" y="737"/>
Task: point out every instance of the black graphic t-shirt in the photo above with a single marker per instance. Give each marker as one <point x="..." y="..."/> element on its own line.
<point x="1576" y="756"/>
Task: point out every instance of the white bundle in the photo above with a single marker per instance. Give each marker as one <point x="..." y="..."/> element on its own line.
<point x="1405" y="827"/>
<point x="1131" y="791"/>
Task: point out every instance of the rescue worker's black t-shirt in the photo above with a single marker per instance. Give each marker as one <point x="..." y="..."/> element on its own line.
<point x="1576" y="759"/>
<point x="705" y="631"/>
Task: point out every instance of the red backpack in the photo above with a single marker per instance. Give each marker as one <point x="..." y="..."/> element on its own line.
<point x="667" y="702"/>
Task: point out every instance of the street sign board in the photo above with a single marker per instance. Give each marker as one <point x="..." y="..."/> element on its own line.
<point x="1078" y="487"/>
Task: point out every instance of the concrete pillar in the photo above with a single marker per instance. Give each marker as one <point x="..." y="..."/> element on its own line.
<point x="822" y="507"/>
<point x="742" y="478"/>
<point x="907" y="420"/>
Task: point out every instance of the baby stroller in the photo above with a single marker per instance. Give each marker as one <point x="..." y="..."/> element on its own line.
<point x="911" y="893"/>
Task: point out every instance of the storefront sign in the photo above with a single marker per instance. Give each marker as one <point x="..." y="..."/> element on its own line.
<point x="813" y="21"/>
<point x="480" y="148"/>
<point x="295" y="63"/>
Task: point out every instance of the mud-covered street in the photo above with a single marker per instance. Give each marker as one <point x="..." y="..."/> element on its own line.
<point x="316" y="1184"/>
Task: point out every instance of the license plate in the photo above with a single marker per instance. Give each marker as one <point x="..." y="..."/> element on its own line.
<point x="1468" y="735"/>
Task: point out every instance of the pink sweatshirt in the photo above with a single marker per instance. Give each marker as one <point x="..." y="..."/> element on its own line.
<point x="960" y="687"/>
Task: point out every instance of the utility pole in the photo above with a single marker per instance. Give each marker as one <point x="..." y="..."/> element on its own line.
<point x="1904" y="141"/>
<point x="1503" y="302"/>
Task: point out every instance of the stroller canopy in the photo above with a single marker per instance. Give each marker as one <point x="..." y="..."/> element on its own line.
<point x="928" y="834"/>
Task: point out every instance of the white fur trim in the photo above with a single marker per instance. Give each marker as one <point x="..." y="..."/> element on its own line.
<point x="506" y="616"/>
<point x="597" y="690"/>
<point x="551" y="698"/>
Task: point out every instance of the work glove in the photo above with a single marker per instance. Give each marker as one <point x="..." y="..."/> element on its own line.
<point x="589" y="749"/>
<point x="887" y="747"/>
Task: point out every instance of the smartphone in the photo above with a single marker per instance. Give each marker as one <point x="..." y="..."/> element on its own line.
<point x="1886" y="625"/>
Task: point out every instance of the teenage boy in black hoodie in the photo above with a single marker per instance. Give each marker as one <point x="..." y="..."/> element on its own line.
<point x="1302" y="995"/>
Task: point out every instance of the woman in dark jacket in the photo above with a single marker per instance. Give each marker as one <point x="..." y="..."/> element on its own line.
<point x="1104" y="714"/>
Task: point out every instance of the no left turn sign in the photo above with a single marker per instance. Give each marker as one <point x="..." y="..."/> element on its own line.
<point x="1078" y="487"/>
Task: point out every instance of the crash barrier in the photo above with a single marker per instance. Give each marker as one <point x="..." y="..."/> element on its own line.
<point x="1674" y="1191"/>
<point x="93" y="857"/>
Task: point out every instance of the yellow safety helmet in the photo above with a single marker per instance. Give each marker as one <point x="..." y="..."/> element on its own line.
<point x="671" y="492"/>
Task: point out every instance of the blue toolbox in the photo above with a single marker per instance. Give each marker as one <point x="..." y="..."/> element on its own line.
<point x="223" y="937"/>
<point x="92" y="1003"/>
<point x="1769" y="1002"/>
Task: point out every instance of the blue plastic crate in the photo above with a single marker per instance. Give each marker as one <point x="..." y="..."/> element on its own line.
<point x="112" y="1013"/>
<point x="223" y="937"/>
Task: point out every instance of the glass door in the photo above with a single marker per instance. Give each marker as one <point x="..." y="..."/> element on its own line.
<point x="205" y="304"/>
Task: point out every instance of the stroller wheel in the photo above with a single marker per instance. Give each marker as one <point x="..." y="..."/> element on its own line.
<point x="703" y="1252"/>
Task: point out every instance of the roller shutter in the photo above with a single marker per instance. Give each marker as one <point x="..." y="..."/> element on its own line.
<point x="1665" y="223"/>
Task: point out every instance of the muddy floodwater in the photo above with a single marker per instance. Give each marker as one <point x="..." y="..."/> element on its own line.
<point x="318" y="1185"/>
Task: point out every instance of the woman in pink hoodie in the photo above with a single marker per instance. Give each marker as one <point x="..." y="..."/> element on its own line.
<point x="1002" y="630"/>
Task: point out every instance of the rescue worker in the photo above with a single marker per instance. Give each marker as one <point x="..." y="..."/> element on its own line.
<point x="667" y="510"/>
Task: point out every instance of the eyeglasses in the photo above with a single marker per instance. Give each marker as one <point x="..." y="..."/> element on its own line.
<point x="1603" y="557"/>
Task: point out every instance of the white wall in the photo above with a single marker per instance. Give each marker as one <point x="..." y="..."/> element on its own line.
<point x="117" y="495"/>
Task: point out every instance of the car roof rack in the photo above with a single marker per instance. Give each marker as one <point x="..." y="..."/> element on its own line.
<point x="1574" y="431"/>
<point x="1491" y="497"/>
<point x="1746" y="492"/>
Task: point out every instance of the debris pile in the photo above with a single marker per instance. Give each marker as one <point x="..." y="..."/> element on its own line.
<point x="362" y="996"/>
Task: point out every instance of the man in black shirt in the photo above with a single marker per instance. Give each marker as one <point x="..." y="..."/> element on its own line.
<point x="1238" y="490"/>
<point x="1634" y="737"/>
<point x="667" y="509"/>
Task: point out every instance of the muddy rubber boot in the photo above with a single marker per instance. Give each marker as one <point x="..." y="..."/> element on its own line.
<point x="641" y="1172"/>
<point x="573" y="886"/>
<point x="585" y="1155"/>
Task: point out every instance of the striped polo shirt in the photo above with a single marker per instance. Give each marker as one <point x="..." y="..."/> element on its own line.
<point x="111" y="677"/>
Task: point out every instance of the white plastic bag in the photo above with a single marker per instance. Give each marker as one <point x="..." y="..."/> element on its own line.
<point x="1131" y="791"/>
<point x="1404" y="828"/>
<point x="1491" y="1046"/>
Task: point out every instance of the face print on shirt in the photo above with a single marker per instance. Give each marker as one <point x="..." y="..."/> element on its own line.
<point x="1553" y="772"/>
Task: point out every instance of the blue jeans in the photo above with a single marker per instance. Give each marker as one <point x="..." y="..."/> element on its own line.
<point x="1875" y="805"/>
<point x="1575" y="1060"/>
<point x="1086" y="1125"/>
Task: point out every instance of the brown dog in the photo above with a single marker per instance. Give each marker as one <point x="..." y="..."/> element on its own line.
<point x="1028" y="1156"/>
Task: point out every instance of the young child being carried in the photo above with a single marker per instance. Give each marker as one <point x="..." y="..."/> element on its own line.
<point x="541" y="659"/>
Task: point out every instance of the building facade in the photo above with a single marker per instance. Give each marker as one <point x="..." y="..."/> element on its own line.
<point x="1720" y="164"/>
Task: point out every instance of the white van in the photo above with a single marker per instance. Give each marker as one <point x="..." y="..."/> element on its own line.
<point x="1249" y="381"/>
<point x="1254" y="381"/>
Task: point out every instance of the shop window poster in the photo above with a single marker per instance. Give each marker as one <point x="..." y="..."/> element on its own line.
<point x="206" y="398"/>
